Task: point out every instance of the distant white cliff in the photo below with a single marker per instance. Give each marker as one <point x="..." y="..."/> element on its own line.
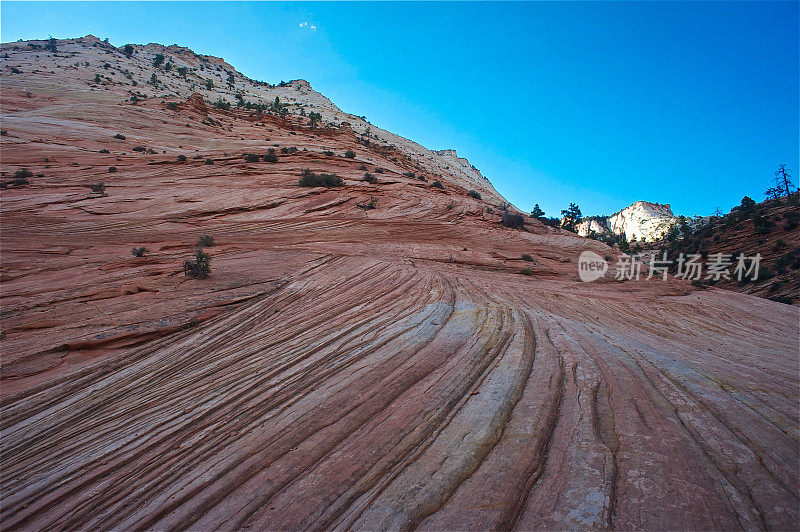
<point x="642" y="221"/>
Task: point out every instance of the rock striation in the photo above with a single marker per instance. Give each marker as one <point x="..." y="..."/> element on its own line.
<point x="362" y="357"/>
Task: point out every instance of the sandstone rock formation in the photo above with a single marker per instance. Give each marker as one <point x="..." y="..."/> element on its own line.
<point x="342" y="367"/>
<point x="642" y="221"/>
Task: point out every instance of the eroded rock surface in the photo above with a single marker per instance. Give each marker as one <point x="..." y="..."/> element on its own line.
<point x="344" y="367"/>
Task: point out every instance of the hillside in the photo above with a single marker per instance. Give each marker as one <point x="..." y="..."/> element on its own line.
<point x="770" y="229"/>
<point x="381" y="354"/>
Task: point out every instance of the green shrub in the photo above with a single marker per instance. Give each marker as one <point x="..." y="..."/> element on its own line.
<point x="198" y="267"/>
<point x="112" y="169"/>
<point x="209" y="161"/>
<point x="310" y="179"/>
<point x="104" y="151"/>
<point x="474" y="194"/>
<point x="251" y="158"/>
<point x="270" y="157"/>
<point x="369" y="178"/>
<point x="128" y="50"/>
<point x="206" y="241"/>
<point x="350" y="154"/>
<point x="437" y="184"/>
<point x="159" y="58"/>
<point x="139" y="148"/>
<point x="23" y="173"/>
<point x="98" y="188"/>
<point x="329" y="153"/>
<point x="139" y="252"/>
<point x="410" y="174"/>
<point x="514" y="221"/>
<point x="378" y="170"/>
<point x="526" y="271"/>
<point x="181" y="157"/>
<point x="120" y="136"/>
<point x="527" y="257"/>
<point x="172" y="106"/>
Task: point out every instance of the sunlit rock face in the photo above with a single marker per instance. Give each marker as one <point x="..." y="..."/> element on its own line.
<point x="347" y="364"/>
<point x="642" y="221"/>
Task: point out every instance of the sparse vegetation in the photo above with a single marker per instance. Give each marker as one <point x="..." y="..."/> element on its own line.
<point x="251" y="157"/>
<point x="437" y="184"/>
<point x="514" y="221"/>
<point x="98" y="188"/>
<point x="537" y="212"/>
<point x="172" y="106"/>
<point x="474" y="194"/>
<point x="199" y="266"/>
<point x="112" y="169"/>
<point x="370" y="178"/>
<point x="158" y="60"/>
<point x="209" y="161"/>
<point x="120" y="136"/>
<point x="310" y="179"/>
<point x="23" y="173"/>
<point x="527" y="257"/>
<point x="206" y="241"/>
<point x="350" y="154"/>
<point x="181" y="157"/>
<point x="572" y="215"/>
<point x="526" y="271"/>
<point x="139" y="252"/>
<point x="270" y="156"/>
<point x="128" y="50"/>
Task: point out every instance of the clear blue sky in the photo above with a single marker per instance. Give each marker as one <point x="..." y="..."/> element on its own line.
<point x="602" y="104"/>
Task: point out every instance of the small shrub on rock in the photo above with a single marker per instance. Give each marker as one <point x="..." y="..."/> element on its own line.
<point x="528" y="258"/>
<point x="437" y="184"/>
<point x="98" y="188"/>
<point x="139" y="252"/>
<point x="120" y="136"/>
<point x="251" y="158"/>
<point x="181" y="157"/>
<point x="112" y="169"/>
<point x="350" y="154"/>
<point x="206" y="241"/>
<point x="199" y="266"/>
<point x="209" y="161"/>
<point x="310" y="179"/>
<point x="514" y="221"/>
<point x="23" y="173"/>
<point x="370" y="178"/>
<point x="474" y="194"/>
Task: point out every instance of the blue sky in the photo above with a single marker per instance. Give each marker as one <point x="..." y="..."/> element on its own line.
<point x="598" y="103"/>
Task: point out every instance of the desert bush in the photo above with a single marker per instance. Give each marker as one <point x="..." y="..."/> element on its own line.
<point x="437" y="184"/>
<point x="251" y="158"/>
<point x="112" y="169"/>
<point x="159" y="58"/>
<point x="172" y="106"/>
<point x="104" y="151"/>
<point x="23" y="173"/>
<point x="198" y="267"/>
<point x="128" y="50"/>
<point x="378" y="170"/>
<point x="206" y="241"/>
<point x="526" y="271"/>
<point x="474" y="194"/>
<point x="370" y="178"/>
<point x="139" y="148"/>
<point x="139" y="252"/>
<point x="410" y="174"/>
<point x="181" y="157"/>
<point x="328" y="153"/>
<point x="310" y="179"/>
<point x="270" y="156"/>
<point x="120" y="136"/>
<point x="350" y="154"/>
<point x="527" y="257"/>
<point x="209" y="161"/>
<point x="98" y="188"/>
<point x="514" y="221"/>
<point x="371" y="204"/>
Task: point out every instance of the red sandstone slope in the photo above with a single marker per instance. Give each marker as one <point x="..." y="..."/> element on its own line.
<point x="344" y="367"/>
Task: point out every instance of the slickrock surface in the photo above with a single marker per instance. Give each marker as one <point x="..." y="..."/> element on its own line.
<point x="343" y="367"/>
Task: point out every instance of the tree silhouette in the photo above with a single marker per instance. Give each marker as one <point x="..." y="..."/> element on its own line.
<point x="537" y="212"/>
<point x="572" y="216"/>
